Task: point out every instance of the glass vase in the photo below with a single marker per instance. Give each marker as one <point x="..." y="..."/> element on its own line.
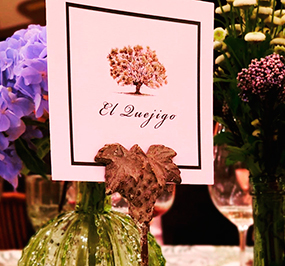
<point x="44" y="198"/>
<point x="93" y="234"/>
<point x="269" y="221"/>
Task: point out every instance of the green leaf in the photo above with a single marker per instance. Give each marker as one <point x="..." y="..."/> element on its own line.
<point x="242" y="154"/>
<point x="223" y="80"/>
<point x="220" y="120"/>
<point x="239" y="52"/>
<point x="253" y="166"/>
<point x="43" y="146"/>
<point x="39" y="124"/>
<point x="29" y="157"/>
<point x="224" y="138"/>
<point x="236" y="154"/>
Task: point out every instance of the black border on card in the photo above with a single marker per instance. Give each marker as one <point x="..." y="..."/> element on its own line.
<point x="146" y="16"/>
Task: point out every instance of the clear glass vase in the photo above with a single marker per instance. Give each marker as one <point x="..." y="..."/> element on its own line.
<point x="44" y="198"/>
<point x="269" y="221"/>
<point x="91" y="235"/>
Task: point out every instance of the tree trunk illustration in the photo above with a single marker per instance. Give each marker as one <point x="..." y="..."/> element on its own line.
<point x="136" y="66"/>
<point x="138" y="87"/>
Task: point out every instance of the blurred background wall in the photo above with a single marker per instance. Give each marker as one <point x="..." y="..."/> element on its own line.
<point x="18" y="14"/>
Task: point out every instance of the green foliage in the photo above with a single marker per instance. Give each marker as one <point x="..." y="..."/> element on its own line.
<point x="224" y="138"/>
<point x="43" y="146"/>
<point x="261" y="146"/>
<point x="30" y="158"/>
<point x="35" y="154"/>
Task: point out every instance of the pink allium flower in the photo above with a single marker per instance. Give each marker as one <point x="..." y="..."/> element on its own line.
<point x="263" y="77"/>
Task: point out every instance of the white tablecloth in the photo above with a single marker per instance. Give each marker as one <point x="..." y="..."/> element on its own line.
<point x="9" y="257"/>
<point x="175" y="256"/>
<point x="204" y="255"/>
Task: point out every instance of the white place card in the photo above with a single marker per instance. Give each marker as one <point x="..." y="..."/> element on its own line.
<point x="130" y="72"/>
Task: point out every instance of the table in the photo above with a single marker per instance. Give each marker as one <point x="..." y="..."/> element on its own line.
<point x="204" y="255"/>
<point x="175" y="256"/>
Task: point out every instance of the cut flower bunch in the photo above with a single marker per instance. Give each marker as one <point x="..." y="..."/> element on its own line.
<point x="249" y="80"/>
<point x="249" y="93"/>
<point x="24" y="133"/>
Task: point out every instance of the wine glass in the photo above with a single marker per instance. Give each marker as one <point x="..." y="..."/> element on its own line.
<point x="165" y="200"/>
<point x="230" y="194"/>
<point x="162" y="205"/>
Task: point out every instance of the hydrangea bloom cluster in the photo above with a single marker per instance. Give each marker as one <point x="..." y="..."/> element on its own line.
<point x="23" y="92"/>
<point x="263" y="76"/>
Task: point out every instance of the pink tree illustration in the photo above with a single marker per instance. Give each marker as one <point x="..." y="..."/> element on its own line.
<point x="136" y="66"/>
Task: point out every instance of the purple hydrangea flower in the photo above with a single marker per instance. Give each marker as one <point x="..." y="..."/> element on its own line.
<point x="7" y="117"/>
<point x="23" y="92"/>
<point x="4" y="142"/>
<point x="262" y="77"/>
<point x="10" y="165"/>
<point x="19" y="105"/>
<point x="32" y="82"/>
<point x="12" y="108"/>
<point x="34" y="33"/>
<point x="9" y="57"/>
<point x="23" y="65"/>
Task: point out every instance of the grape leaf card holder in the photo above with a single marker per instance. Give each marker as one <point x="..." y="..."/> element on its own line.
<point x="140" y="178"/>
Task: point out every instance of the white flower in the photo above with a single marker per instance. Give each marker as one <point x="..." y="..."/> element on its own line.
<point x="275" y="21"/>
<point x="264" y="10"/>
<point x="279" y="13"/>
<point x="278" y="41"/>
<point x="279" y="49"/>
<point x="219" y="34"/>
<point x="221" y="58"/>
<point x="237" y="28"/>
<point x="255" y="37"/>
<point x="282" y="20"/>
<point x="266" y="30"/>
<point x="224" y="9"/>
<point x="281" y="34"/>
<point x="218" y="45"/>
<point x="263" y="29"/>
<point x="256" y="133"/>
<point x="244" y="3"/>
<point x="255" y="123"/>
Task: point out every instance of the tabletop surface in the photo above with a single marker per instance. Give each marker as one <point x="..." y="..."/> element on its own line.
<point x="175" y="256"/>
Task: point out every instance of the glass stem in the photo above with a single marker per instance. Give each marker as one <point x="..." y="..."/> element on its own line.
<point x="242" y="243"/>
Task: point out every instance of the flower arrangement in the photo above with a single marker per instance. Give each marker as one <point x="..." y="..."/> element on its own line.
<point x="249" y="80"/>
<point x="24" y="134"/>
